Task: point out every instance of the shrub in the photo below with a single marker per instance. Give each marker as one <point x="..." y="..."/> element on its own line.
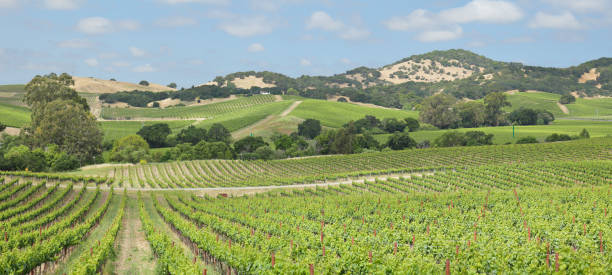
<point x="144" y="83"/>
<point x="558" y="137"/>
<point x="526" y="140"/>
<point x="310" y="128"/>
<point x="155" y="104"/>
<point x="567" y="99"/>
<point x="584" y="134"/>
<point x="412" y="124"/>
<point x="400" y="141"/>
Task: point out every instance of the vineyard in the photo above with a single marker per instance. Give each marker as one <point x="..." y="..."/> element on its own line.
<point x="227" y="173"/>
<point x="490" y="209"/>
<point x="200" y="111"/>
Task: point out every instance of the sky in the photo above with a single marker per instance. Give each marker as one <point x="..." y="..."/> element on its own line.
<point x="189" y="42"/>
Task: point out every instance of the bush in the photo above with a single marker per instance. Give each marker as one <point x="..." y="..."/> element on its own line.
<point x="155" y="104"/>
<point x="144" y="83"/>
<point x="392" y="125"/>
<point x="155" y="134"/>
<point x="527" y="140"/>
<point x="558" y="137"/>
<point x="172" y="85"/>
<point x="400" y="141"/>
<point x="412" y="124"/>
<point x="567" y="99"/>
<point x="132" y="148"/>
<point x="526" y="116"/>
<point x="584" y="134"/>
<point x="310" y="128"/>
<point x="470" y="138"/>
<point x="2" y="126"/>
<point x="342" y="99"/>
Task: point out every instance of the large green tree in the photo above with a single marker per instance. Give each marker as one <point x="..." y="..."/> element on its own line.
<point x="132" y="148"/>
<point x="155" y="134"/>
<point x="309" y="128"/>
<point x="494" y="104"/>
<point x="70" y="126"/>
<point x="218" y="132"/>
<point x="471" y="113"/>
<point x="438" y="111"/>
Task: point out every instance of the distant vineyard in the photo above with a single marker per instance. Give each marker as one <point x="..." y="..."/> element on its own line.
<point x="493" y="220"/>
<point x="201" y="111"/>
<point x="215" y="173"/>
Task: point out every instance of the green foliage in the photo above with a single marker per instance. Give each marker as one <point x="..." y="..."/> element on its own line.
<point x="342" y="99"/>
<point x="191" y="135"/>
<point x="567" y="99"/>
<point x="248" y="144"/>
<point x="14" y="116"/>
<point x="2" y="126"/>
<point x="309" y="128"/>
<point x="558" y="137"/>
<point x="155" y="134"/>
<point x="172" y="85"/>
<point x="143" y="83"/>
<point x="471" y="113"/>
<point x="70" y="126"/>
<point x="584" y="134"/>
<point x="412" y="124"/>
<point x="213" y="150"/>
<point x="494" y="104"/>
<point x="437" y="110"/>
<point x="526" y="116"/>
<point x="469" y="138"/>
<point x="218" y="132"/>
<point x="527" y="140"/>
<point x="44" y="89"/>
<point x="392" y="125"/>
<point x="400" y="141"/>
<point x="131" y="148"/>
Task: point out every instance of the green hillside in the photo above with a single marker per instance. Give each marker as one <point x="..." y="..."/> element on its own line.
<point x="14" y="116"/>
<point x="336" y="114"/>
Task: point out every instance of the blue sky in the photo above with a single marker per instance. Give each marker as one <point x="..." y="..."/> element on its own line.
<point x="192" y="41"/>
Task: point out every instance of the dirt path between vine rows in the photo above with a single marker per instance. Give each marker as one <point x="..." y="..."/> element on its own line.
<point x="135" y="255"/>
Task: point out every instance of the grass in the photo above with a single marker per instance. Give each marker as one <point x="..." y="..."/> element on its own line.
<point x="535" y="100"/>
<point x="503" y="134"/>
<point x="336" y="114"/>
<point x="242" y="118"/>
<point x="114" y="130"/>
<point x="209" y="110"/>
<point x="14" y="116"/>
<point x="591" y="108"/>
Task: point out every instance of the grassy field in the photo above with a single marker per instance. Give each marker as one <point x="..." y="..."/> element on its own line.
<point x="599" y="108"/>
<point x="14" y="116"/>
<point x="504" y="134"/>
<point x="209" y="110"/>
<point x="336" y="114"/>
<point x="242" y="118"/>
<point x="12" y="94"/>
<point x="114" y="130"/>
<point x="535" y="100"/>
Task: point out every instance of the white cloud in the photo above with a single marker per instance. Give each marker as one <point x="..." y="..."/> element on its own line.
<point x="92" y="62"/>
<point x="215" y="2"/>
<point x="248" y="26"/>
<point x="583" y="5"/>
<point x="8" y="3"/>
<point x="75" y="44"/>
<point x="101" y="25"/>
<point x="270" y="5"/>
<point x="345" y="61"/>
<point x="62" y="4"/>
<point x="305" y="62"/>
<point x="146" y="68"/>
<point x="445" y="25"/>
<point x="322" y="20"/>
<point x="255" y="47"/>
<point x="95" y="25"/>
<point x="565" y="20"/>
<point x="483" y="11"/>
<point x="137" y="52"/>
<point x="177" y="21"/>
<point x="440" y="35"/>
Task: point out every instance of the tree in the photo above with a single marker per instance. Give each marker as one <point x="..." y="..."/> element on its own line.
<point x="584" y="134"/>
<point x="343" y="142"/>
<point x="437" y="110"/>
<point x="172" y="85"/>
<point x="292" y="91"/>
<point x="471" y="113"/>
<point x="494" y="104"/>
<point x="400" y="141"/>
<point x="155" y="104"/>
<point x="524" y="116"/>
<point x="212" y="150"/>
<point x="392" y="125"/>
<point x="366" y="141"/>
<point x="558" y="137"/>
<point x="412" y="124"/>
<point x="44" y="89"/>
<point x="248" y="144"/>
<point x="155" y="134"/>
<point x="191" y="135"/>
<point x="342" y="99"/>
<point x="70" y="126"/>
<point x="450" y="139"/>
<point x="477" y="138"/>
<point x="2" y="126"/>
<point x="132" y="148"/>
<point x="309" y="128"/>
<point x="143" y="83"/>
<point x="218" y="132"/>
<point x="264" y="152"/>
<point x="567" y="99"/>
<point x="282" y="142"/>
